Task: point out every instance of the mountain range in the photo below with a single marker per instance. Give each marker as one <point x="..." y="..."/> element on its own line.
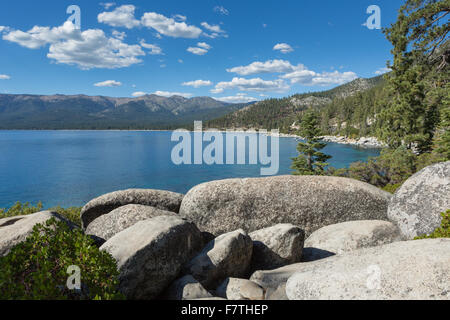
<point x="156" y="112"/>
<point x="98" y="112"/>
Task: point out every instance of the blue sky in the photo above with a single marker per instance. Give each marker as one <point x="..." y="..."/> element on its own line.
<point x="236" y="51"/>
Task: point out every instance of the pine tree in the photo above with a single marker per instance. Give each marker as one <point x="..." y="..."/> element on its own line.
<point x="419" y="70"/>
<point x="310" y="161"/>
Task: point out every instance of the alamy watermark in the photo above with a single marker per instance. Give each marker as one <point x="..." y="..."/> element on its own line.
<point x="75" y="17"/>
<point x="74" y="279"/>
<point x="227" y="148"/>
<point x="373" y="281"/>
<point x="374" y="20"/>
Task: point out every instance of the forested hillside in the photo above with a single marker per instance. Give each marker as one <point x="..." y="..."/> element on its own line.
<point x="347" y="108"/>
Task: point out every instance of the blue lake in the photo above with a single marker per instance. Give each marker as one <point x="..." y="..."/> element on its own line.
<point x="69" y="168"/>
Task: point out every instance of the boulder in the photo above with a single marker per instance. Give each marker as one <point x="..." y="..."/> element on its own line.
<point x="348" y="236"/>
<point x="15" y="230"/>
<point x="274" y="281"/>
<point x="227" y="256"/>
<point x="310" y="202"/>
<point x="417" y="205"/>
<point x="240" y="289"/>
<point x="150" y="254"/>
<point x="186" y="288"/>
<point x="108" y="225"/>
<point x="405" y="270"/>
<point x="277" y="294"/>
<point x="276" y="246"/>
<point x="164" y="200"/>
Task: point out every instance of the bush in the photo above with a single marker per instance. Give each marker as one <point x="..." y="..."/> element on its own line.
<point x="20" y="209"/>
<point x="72" y="214"/>
<point x="443" y="231"/>
<point x="37" y="268"/>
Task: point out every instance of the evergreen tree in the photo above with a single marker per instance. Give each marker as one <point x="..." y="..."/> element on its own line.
<point x="419" y="72"/>
<point x="310" y="160"/>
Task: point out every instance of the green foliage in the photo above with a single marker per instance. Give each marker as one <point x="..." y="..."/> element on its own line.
<point x="310" y="160"/>
<point x="442" y="232"/>
<point x="37" y="268"/>
<point x="388" y="171"/>
<point x="72" y="214"/>
<point x="419" y="81"/>
<point x="20" y="209"/>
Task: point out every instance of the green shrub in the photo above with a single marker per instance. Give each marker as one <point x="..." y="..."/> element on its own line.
<point x="19" y="209"/>
<point x="392" y="187"/>
<point x="37" y="268"/>
<point x="72" y="214"/>
<point x="443" y="231"/>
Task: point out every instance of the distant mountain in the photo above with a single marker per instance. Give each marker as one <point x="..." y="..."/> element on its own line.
<point x="282" y="113"/>
<point x="97" y="112"/>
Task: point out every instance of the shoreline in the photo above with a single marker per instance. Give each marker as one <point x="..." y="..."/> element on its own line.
<point x="364" y="142"/>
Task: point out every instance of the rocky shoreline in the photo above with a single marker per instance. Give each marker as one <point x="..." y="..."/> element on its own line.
<point x="274" y="238"/>
<point x="363" y="142"/>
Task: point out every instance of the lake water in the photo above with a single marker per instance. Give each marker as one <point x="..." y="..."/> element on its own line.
<point x="69" y="168"/>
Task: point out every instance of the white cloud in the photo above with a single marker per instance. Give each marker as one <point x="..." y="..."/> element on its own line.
<point x="38" y="37"/>
<point x="154" y="49"/>
<point x="298" y="74"/>
<point x="180" y="61"/>
<point x="197" y="51"/>
<point x="197" y="83"/>
<point x="107" y="5"/>
<point x="204" y="45"/>
<point x="122" y="16"/>
<point x="170" y="27"/>
<point x="312" y="78"/>
<point x="333" y="78"/>
<point x="168" y="94"/>
<point x="88" y="49"/>
<point x="180" y="17"/>
<point x="108" y="83"/>
<point x="382" y="71"/>
<point x="119" y="35"/>
<point x="138" y="94"/>
<point x="3" y="29"/>
<point x="201" y="49"/>
<point x="270" y="66"/>
<point x="283" y="47"/>
<point x="255" y="84"/>
<point x="239" y="98"/>
<point x="216" y="30"/>
<point x="4" y="77"/>
<point x="221" y="10"/>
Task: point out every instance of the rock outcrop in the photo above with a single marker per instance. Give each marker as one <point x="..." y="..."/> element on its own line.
<point x="15" y="230"/>
<point x="227" y="256"/>
<point x="276" y="246"/>
<point x="309" y="202"/>
<point x="163" y="200"/>
<point x="406" y="270"/>
<point x="417" y="204"/>
<point x="110" y="224"/>
<point x="150" y="254"/>
<point x="349" y="236"/>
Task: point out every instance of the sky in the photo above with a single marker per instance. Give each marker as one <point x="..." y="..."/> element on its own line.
<point x="234" y="51"/>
